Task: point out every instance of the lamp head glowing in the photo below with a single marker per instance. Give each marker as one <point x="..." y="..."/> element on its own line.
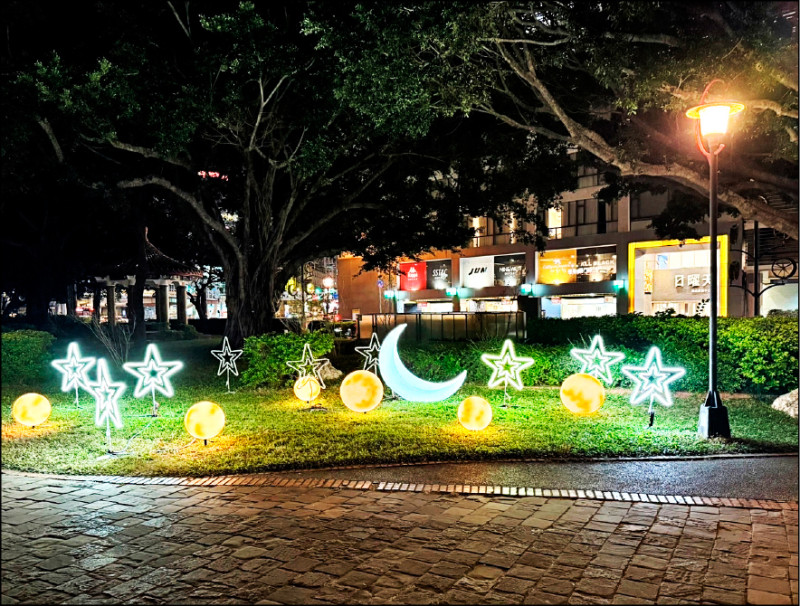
<point x="714" y="116"/>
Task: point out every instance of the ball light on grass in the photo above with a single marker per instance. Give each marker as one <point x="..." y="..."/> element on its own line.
<point x="361" y="391"/>
<point x="475" y="413"/>
<point x="31" y="409"/>
<point x="204" y="420"/>
<point x="306" y="388"/>
<point x="582" y="394"/>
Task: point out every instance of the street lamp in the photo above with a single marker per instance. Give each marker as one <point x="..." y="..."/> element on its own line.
<point x="712" y="125"/>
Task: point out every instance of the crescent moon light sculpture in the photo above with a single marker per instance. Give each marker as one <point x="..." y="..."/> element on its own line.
<point x="405" y="383"/>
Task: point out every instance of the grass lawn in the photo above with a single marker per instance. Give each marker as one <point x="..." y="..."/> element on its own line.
<point x="268" y="429"/>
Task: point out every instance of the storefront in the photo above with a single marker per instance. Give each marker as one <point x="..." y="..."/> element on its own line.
<point x="579" y="306"/>
<point x="487" y="272"/>
<point x="668" y="274"/>
<point x="432" y="275"/>
<point x="576" y="265"/>
<point x="577" y="282"/>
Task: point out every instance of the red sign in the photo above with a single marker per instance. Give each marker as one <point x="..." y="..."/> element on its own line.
<point x="413" y="276"/>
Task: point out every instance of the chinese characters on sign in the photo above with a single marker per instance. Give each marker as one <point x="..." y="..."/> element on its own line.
<point x="577" y="265"/>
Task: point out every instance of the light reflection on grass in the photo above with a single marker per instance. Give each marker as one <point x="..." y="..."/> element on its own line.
<point x="268" y="429"/>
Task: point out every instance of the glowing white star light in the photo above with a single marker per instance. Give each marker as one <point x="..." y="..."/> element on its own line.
<point x="227" y="360"/>
<point x="106" y="394"/>
<point x="74" y="370"/>
<point x="371" y="353"/>
<point x="596" y="361"/>
<point x="652" y="380"/>
<point x="308" y="365"/>
<point x="153" y="374"/>
<point x="506" y="367"/>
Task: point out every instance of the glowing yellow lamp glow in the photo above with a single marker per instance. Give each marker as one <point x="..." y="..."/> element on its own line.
<point x="475" y="413"/>
<point x="31" y="409"/>
<point x="306" y="388"/>
<point x="204" y="420"/>
<point x="582" y="394"/>
<point x="361" y="391"/>
<point x="714" y="116"/>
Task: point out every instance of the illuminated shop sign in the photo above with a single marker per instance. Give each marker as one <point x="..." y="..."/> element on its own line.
<point x="413" y="276"/>
<point x="577" y="265"/>
<point x="477" y="272"/>
<point x="687" y="284"/>
<point x="672" y="273"/>
<point x="509" y="270"/>
<point x="439" y="274"/>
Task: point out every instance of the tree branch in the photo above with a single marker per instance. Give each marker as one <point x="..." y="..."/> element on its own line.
<point x="196" y="205"/>
<point x="665" y="39"/>
<point x="53" y="140"/>
<point x="148" y="153"/>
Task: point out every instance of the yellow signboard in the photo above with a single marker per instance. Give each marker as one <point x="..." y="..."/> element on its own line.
<point x="557" y="266"/>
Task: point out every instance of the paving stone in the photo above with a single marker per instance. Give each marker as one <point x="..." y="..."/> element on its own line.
<point x="240" y="542"/>
<point x="357" y="579"/>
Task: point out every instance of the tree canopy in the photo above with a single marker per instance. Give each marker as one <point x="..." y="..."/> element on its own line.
<point x="611" y="78"/>
<point x="175" y="93"/>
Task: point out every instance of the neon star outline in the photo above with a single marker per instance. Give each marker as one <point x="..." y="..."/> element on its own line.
<point x="153" y="374"/>
<point x="106" y="394"/>
<point x="507" y="366"/>
<point x="371" y="352"/>
<point x="309" y="365"/>
<point x="596" y="361"/>
<point x="74" y="369"/>
<point x="652" y="380"/>
<point x="227" y="357"/>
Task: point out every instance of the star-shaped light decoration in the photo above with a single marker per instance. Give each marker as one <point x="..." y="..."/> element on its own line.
<point x="596" y="361"/>
<point x="309" y="365"/>
<point x="74" y="370"/>
<point x="153" y="375"/>
<point x="652" y="380"/>
<point x="106" y="394"/>
<point x="370" y="353"/>
<point x="227" y="361"/>
<point x="506" y="367"/>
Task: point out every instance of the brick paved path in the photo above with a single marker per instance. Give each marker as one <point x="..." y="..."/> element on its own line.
<point x="80" y="541"/>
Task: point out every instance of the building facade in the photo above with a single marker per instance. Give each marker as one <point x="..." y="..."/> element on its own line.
<point x="601" y="259"/>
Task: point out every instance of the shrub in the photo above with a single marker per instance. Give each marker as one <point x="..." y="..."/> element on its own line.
<point x="754" y="354"/>
<point x="267" y="355"/>
<point x="25" y="355"/>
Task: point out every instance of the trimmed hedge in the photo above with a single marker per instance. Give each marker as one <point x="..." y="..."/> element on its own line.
<point x="755" y="355"/>
<point x="26" y="355"/>
<point x="267" y="355"/>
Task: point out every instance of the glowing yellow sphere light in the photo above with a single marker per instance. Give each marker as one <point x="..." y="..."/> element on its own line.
<point x="582" y="394"/>
<point x="475" y="413"/>
<point x="361" y="391"/>
<point x="306" y="388"/>
<point x="204" y="420"/>
<point x="31" y="409"/>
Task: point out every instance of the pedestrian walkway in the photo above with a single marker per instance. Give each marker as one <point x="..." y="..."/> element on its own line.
<point x="312" y="541"/>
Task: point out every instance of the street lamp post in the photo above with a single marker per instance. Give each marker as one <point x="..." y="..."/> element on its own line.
<point x="712" y="125"/>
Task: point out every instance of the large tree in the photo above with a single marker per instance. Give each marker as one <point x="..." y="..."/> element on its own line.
<point x="244" y="93"/>
<point x="611" y="78"/>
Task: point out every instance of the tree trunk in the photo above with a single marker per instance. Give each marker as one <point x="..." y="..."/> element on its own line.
<point x="136" y="291"/>
<point x="200" y="301"/>
<point x="72" y="300"/>
<point x="37" y="304"/>
<point x="253" y="313"/>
